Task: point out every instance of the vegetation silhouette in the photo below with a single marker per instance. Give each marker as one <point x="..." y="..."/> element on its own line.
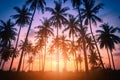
<point x="62" y="38"/>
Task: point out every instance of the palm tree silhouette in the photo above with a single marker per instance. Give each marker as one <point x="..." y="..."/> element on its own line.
<point x="89" y="12"/>
<point x="45" y="31"/>
<point x="22" y="19"/>
<point x="57" y="20"/>
<point x="64" y="47"/>
<point x="39" y="46"/>
<point x="72" y="26"/>
<point x="34" y="5"/>
<point x="6" y="52"/>
<point x="77" y="5"/>
<point x="93" y="59"/>
<point x="108" y="39"/>
<point x="7" y="35"/>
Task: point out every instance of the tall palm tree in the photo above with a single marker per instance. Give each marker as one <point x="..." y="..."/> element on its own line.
<point x="108" y="39"/>
<point x="57" y="20"/>
<point x="77" y="4"/>
<point x="89" y="16"/>
<point x="34" y="5"/>
<point x="64" y="47"/>
<point x="45" y="31"/>
<point x="7" y="34"/>
<point x="39" y="46"/>
<point x="22" y="18"/>
<point x="72" y="26"/>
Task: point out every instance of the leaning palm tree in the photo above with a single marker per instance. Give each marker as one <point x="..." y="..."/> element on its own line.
<point x="57" y="20"/>
<point x="89" y="12"/>
<point x="45" y="31"/>
<point x="22" y="18"/>
<point x="7" y="34"/>
<point x="34" y="5"/>
<point x="108" y="39"/>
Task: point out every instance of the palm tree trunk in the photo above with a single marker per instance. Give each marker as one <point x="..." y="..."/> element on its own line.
<point x="96" y="46"/>
<point x="23" y="62"/>
<point x="57" y="52"/>
<point x="15" y="48"/>
<point x="44" y="56"/>
<point x="21" y="56"/>
<point x="3" y="65"/>
<point x="112" y="59"/>
<point x="65" y="65"/>
<point x="51" y="62"/>
<point x="83" y="39"/>
<point x="108" y="57"/>
<point x="39" y="62"/>
<point x="0" y="62"/>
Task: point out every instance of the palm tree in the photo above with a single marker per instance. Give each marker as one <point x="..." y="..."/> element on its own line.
<point x="39" y="46"/>
<point x="45" y="31"/>
<point x="72" y="26"/>
<point x="64" y="47"/>
<point x="93" y="59"/>
<point x="22" y="18"/>
<point x="7" y="34"/>
<point x="57" y="20"/>
<point x="34" y="5"/>
<point x="89" y="12"/>
<point x="108" y="39"/>
<point x="7" y="52"/>
<point x="77" y="4"/>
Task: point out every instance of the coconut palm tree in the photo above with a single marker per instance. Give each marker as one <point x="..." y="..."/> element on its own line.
<point x="7" y="53"/>
<point x="7" y="34"/>
<point x="89" y="16"/>
<point x="22" y="18"/>
<point x="34" y="5"/>
<point x="93" y="59"/>
<point x="28" y="50"/>
<point x="64" y="47"/>
<point x="39" y="46"/>
<point x="108" y="39"/>
<point x="58" y="19"/>
<point x="72" y="26"/>
<point x="45" y="31"/>
<point x="77" y="5"/>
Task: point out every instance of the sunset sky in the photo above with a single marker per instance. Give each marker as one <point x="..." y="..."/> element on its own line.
<point x="110" y="14"/>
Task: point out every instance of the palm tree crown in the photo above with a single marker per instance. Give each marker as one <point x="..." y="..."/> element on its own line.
<point x="107" y="38"/>
<point x="22" y="17"/>
<point x="90" y="10"/>
<point x="7" y="32"/>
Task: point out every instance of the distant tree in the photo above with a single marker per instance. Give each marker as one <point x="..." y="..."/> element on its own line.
<point x="45" y="31"/>
<point x="93" y="60"/>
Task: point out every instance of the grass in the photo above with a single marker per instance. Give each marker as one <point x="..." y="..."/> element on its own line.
<point x="93" y="75"/>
